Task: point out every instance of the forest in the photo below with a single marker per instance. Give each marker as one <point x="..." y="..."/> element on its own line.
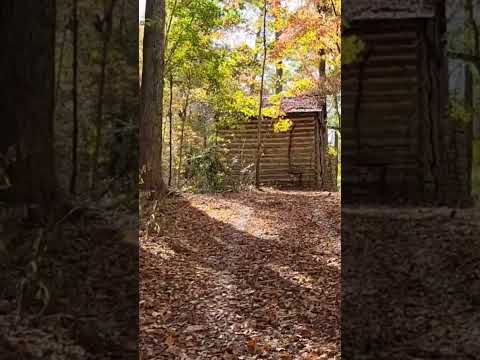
<point x="228" y="62"/>
<point x="69" y="180"/>
<point x="239" y="178"/>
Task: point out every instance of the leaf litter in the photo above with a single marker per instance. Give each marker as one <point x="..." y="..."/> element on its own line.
<point x="253" y="275"/>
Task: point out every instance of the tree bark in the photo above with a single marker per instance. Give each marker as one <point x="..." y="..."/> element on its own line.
<point x="278" y="70"/>
<point x="170" y="132"/>
<point x="469" y="88"/>
<point x="28" y="99"/>
<point x="151" y="108"/>
<point x="337" y="138"/>
<point x="260" y="107"/>
<point x="323" y="133"/>
<point x="183" y="116"/>
<point x="73" y="178"/>
<point x="58" y="77"/>
<point x="105" y="27"/>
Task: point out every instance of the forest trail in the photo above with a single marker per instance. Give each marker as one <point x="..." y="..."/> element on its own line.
<point x="252" y="275"/>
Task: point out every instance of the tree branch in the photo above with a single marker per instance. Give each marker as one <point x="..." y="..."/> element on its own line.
<point x="469" y="58"/>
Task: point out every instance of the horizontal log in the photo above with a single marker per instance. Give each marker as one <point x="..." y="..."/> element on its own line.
<point x="275" y="155"/>
<point x="349" y="94"/>
<point x="265" y="129"/>
<point x="281" y="165"/>
<point x="285" y="180"/>
<point x="381" y="34"/>
<point x="368" y="116"/>
<point x="352" y="83"/>
<point x="236" y="143"/>
<point x="378" y="142"/>
<point x="371" y="72"/>
<point x="380" y="131"/>
<point x="241" y="136"/>
<point x="405" y="97"/>
<point x="253" y="124"/>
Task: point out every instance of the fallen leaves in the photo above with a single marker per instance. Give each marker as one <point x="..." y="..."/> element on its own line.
<point x="412" y="270"/>
<point x="242" y="276"/>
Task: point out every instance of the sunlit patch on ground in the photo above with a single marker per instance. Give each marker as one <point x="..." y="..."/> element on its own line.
<point x="289" y="274"/>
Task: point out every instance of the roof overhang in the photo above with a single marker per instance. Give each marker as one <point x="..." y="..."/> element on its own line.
<point x="388" y="9"/>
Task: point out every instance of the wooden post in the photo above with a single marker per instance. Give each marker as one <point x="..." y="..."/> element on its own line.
<point x="318" y="152"/>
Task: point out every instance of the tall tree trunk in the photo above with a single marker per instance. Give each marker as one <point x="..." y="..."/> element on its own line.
<point x="324" y="175"/>
<point x="278" y="70"/>
<point x="260" y="107"/>
<point x="337" y="138"/>
<point x="180" y="153"/>
<point x="472" y="36"/>
<point x="183" y="117"/>
<point x="170" y="132"/>
<point x="28" y="99"/>
<point x="258" y="39"/>
<point x="58" y="77"/>
<point x="151" y="108"/>
<point x="105" y="27"/>
<point x="73" y="178"/>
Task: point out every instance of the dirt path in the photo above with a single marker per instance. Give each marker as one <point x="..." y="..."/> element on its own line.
<point x="242" y="276"/>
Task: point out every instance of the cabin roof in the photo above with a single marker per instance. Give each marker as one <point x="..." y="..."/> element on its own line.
<point x="300" y="104"/>
<point x="388" y="9"/>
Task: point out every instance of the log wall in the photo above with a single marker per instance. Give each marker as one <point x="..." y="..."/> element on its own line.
<point x="277" y="167"/>
<point x="379" y="114"/>
<point x="398" y="143"/>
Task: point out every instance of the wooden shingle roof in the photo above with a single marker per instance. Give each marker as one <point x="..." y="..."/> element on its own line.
<point x="300" y="104"/>
<point x="388" y="9"/>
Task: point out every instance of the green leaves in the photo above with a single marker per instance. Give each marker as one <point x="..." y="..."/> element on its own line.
<point x="458" y="111"/>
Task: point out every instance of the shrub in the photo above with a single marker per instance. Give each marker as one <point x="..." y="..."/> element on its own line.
<point x="205" y="170"/>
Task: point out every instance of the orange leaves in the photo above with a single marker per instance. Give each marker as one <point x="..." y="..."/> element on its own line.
<point x="318" y="28"/>
<point x="170" y="340"/>
<point x="252" y="346"/>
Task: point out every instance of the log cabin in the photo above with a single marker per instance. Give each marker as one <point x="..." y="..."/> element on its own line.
<point x="292" y="158"/>
<point x="398" y="143"/>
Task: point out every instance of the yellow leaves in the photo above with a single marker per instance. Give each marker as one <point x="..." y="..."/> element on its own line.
<point x="302" y="86"/>
<point x="352" y="47"/>
<point x="308" y="27"/>
<point x="282" y="125"/>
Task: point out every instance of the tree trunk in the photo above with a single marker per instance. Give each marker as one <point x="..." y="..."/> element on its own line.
<point x="73" y="178"/>
<point x="471" y="25"/>
<point x="58" y="77"/>
<point x="170" y="140"/>
<point x="183" y="116"/>
<point x="324" y="175"/>
<point x="337" y="139"/>
<point x="152" y="97"/>
<point x="28" y="92"/>
<point x="105" y="26"/>
<point x="278" y="70"/>
<point x="260" y="107"/>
